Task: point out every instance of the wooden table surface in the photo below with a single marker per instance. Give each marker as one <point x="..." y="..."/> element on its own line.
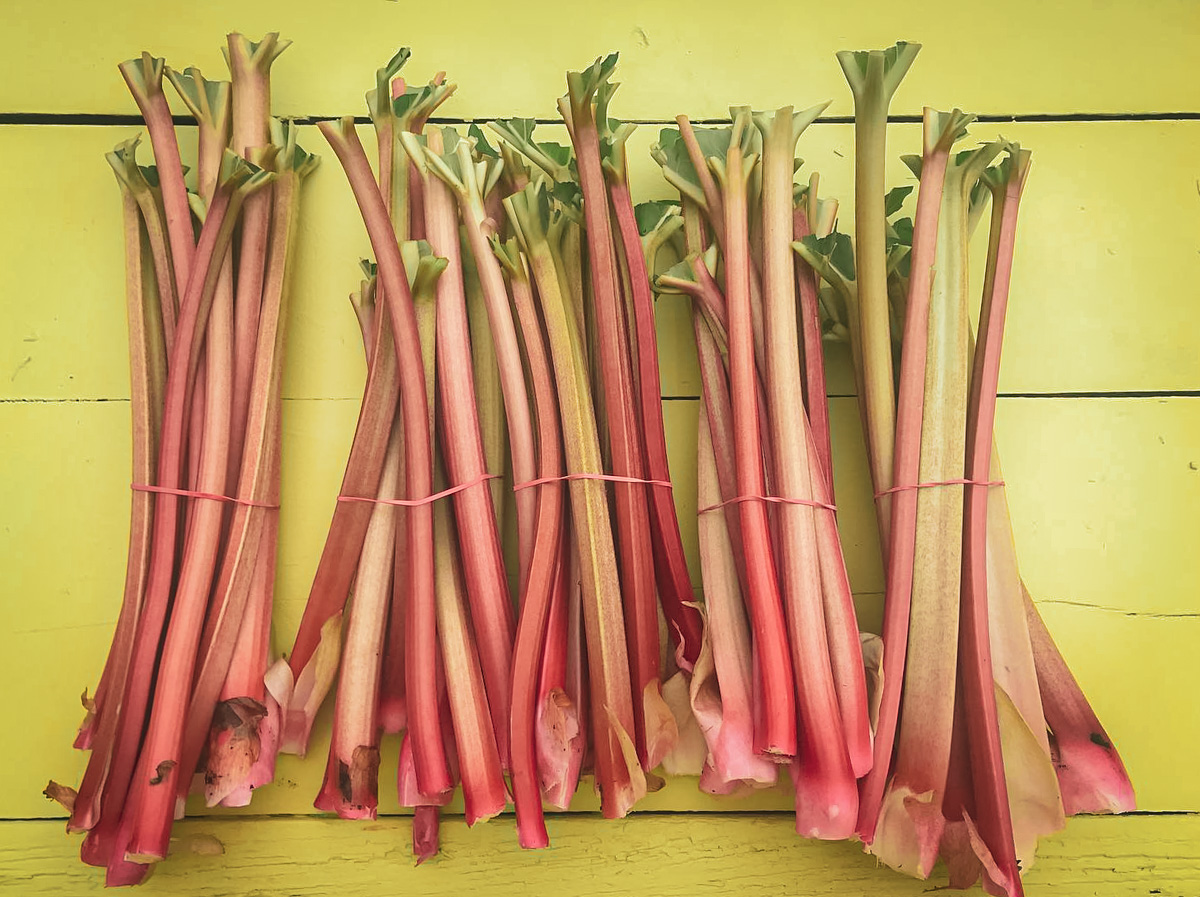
<point x="1098" y="423"/>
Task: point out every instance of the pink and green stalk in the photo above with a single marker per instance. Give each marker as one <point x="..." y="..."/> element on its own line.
<point x="816" y="404"/>
<point x="777" y="734"/>
<point x="941" y="131"/>
<point x="619" y="775"/>
<point x="482" y="555"/>
<point x="674" y="583"/>
<point x="462" y="687"/>
<point x="545" y="580"/>
<point x="149" y="202"/>
<point x="911" y="820"/>
<point x="432" y="772"/>
<point x="826" y="797"/>
<point x="148" y="374"/>
<point x="250" y="68"/>
<point x="726" y="714"/>
<point x="472" y="178"/>
<point x="582" y="108"/>
<point x="351" y="785"/>
<point x="992" y="816"/>
<point x="873" y="77"/>
<point x="144" y="78"/>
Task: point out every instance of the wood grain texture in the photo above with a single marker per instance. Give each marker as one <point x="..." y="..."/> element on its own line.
<point x="667" y="856"/>
<point x="1077" y="56"/>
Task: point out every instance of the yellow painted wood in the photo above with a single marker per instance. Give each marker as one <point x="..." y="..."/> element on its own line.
<point x="702" y="854"/>
<point x="1073" y="56"/>
<point x="1099" y="298"/>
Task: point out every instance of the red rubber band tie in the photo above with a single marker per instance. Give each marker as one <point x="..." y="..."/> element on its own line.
<point x="607" y="477"/>
<point x="955" y="482"/>
<point x="427" y="500"/>
<point x="211" y="496"/>
<point x="777" y="499"/>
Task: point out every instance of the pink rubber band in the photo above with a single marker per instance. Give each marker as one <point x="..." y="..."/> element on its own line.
<point x="611" y="478"/>
<point x="956" y="482"/>
<point x="211" y="496"/>
<point x="427" y="500"/>
<point x="779" y="500"/>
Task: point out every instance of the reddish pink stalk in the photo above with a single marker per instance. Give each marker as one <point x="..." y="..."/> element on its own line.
<point x="545" y="582"/>
<point x="815" y="401"/>
<point x="351" y="785"/>
<point x="637" y="574"/>
<point x="144" y="78"/>
<point x="778" y="733"/>
<point x="432" y="772"/>
<point x="559" y="726"/>
<point x="992" y="816"/>
<point x="727" y="717"/>
<point x="426" y="821"/>
<point x="250" y="69"/>
<point x="482" y="555"/>
<point x="826" y="797"/>
<point x="909" y="416"/>
<point x="619" y="776"/>
<point x="674" y="583"/>
<point x="480" y="226"/>
<point x="163" y="741"/>
<point x="484" y="791"/>
<point x="148" y="373"/>
<point x="339" y="558"/>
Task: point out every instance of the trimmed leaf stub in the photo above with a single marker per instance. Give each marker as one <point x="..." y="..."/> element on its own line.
<point x="233" y="748"/>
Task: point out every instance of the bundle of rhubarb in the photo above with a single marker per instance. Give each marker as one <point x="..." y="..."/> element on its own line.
<point x="789" y="685"/>
<point x="206" y="286"/>
<point x="983" y="740"/>
<point x="412" y="605"/>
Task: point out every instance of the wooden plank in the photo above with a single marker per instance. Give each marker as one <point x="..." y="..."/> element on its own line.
<point x="1036" y="57"/>
<point x="664" y="856"/>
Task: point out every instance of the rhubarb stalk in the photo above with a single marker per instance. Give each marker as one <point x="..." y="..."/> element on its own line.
<point x="432" y="772"/>
<point x="148" y="374"/>
<point x="778" y="732"/>
<point x="482" y="556"/>
<point x="546" y="572"/>
<point x="619" y="775"/>
<point x="674" y="583"/>
<point x="583" y="108"/>
<point x="941" y="131"/>
<point x="873" y="77"/>
<point x="826" y="798"/>
<point x="911" y="818"/>
<point x="144" y="79"/>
